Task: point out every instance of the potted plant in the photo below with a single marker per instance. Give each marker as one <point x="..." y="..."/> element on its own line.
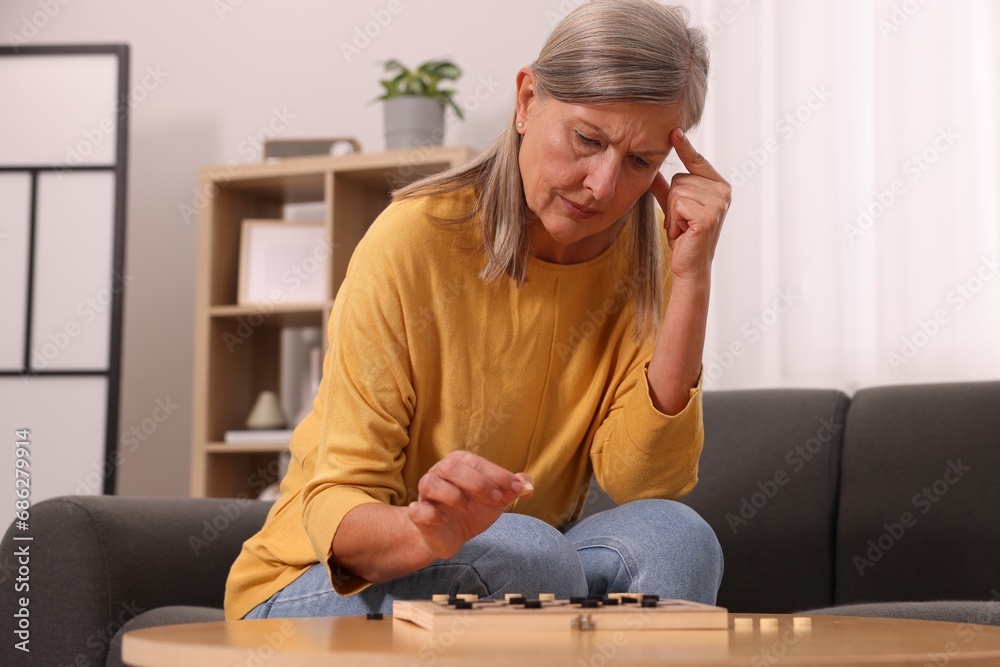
<point x="415" y="104"/>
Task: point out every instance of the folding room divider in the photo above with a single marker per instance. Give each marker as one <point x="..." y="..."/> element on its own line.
<point x="63" y="130"/>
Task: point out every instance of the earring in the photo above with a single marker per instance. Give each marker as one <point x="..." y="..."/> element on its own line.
<point x="520" y="124"/>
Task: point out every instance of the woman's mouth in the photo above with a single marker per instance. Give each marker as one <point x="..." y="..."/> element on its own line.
<point x="576" y="210"/>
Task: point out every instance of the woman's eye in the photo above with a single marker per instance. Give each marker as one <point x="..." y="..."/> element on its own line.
<point x="587" y="140"/>
<point x="642" y="164"/>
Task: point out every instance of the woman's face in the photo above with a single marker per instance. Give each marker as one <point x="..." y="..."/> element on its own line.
<point x="583" y="167"/>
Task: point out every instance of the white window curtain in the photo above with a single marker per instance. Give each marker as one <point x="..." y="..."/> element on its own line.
<point x="863" y="241"/>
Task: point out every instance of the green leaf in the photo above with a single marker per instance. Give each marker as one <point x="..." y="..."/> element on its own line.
<point x="391" y="65"/>
<point x="422" y="81"/>
<point x="390" y="90"/>
<point x="446" y="70"/>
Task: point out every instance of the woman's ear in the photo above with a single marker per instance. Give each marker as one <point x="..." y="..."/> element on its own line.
<point x="527" y="94"/>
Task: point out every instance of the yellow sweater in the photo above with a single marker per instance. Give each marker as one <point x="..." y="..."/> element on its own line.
<point x="425" y="359"/>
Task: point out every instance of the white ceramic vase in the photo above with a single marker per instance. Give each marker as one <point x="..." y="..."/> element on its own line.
<point x="266" y="412"/>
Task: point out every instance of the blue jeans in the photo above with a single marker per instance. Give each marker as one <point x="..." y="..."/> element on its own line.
<point x="647" y="546"/>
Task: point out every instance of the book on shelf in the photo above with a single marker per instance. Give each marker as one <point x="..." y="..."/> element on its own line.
<point x="259" y="437"/>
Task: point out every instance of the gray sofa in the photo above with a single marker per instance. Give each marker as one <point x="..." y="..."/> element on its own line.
<point x="883" y="504"/>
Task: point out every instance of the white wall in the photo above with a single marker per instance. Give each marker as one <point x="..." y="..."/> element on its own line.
<point x="210" y="76"/>
<point x="213" y="74"/>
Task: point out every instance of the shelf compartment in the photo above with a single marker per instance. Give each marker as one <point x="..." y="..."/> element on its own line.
<point x="241" y="365"/>
<point x="291" y="188"/>
<point x="238" y="351"/>
<point x="222" y="237"/>
<point x="274" y="315"/>
<point x="240" y="476"/>
<point x="262" y="448"/>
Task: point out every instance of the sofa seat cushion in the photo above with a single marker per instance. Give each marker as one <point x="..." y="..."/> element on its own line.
<point x="955" y="611"/>
<point x="157" y="617"/>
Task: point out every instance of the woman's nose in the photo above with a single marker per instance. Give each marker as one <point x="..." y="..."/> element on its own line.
<point x="602" y="178"/>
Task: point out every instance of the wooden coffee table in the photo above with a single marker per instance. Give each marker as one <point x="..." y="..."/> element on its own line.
<point x="828" y="640"/>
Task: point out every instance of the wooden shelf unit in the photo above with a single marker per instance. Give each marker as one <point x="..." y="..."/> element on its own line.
<point x="232" y="366"/>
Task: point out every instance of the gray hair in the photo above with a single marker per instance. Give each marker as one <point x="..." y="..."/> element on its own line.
<point x="603" y="52"/>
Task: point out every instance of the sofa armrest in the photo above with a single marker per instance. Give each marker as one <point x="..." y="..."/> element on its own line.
<point x="97" y="561"/>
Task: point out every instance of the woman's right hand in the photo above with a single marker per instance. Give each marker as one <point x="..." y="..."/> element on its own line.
<point x="460" y="497"/>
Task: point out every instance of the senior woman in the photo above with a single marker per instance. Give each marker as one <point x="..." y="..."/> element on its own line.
<point x="505" y="332"/>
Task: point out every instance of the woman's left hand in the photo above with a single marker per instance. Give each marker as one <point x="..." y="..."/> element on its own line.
<point x="694" y="206"/>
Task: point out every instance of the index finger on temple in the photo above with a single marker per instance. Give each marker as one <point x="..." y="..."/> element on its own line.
<point x="692" y="159"/>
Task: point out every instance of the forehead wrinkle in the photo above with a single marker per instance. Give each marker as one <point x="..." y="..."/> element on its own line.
<point x="622" y="122"/>
<point x="617" y="138"/>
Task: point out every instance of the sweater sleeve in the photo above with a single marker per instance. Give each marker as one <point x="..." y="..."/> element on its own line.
<point x="639" y="452"/>
<point x="368" y="403"/>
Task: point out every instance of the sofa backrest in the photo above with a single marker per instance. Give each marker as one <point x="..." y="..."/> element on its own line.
<point x="920" y="494"/>
<point x="768" y="487"/>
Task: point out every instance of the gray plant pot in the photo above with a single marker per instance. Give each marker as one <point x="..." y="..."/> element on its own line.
<point x="412" y="121"/>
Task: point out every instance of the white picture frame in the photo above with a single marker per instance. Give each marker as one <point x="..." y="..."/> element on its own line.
<point x="283" y="262"/>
